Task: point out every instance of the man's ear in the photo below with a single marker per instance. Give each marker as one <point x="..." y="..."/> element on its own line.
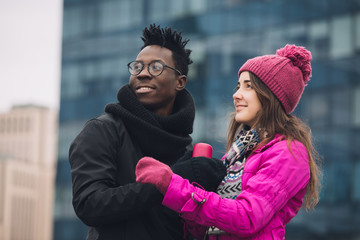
<point x="181" y="82"/>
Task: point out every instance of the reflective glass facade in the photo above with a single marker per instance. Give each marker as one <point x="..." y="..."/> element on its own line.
<point x="101" y="37"/>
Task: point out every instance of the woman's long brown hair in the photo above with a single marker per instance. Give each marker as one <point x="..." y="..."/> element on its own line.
<point x="273" y="120"/>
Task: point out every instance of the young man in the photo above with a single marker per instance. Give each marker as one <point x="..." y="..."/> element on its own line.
<point x="154" y="117"/>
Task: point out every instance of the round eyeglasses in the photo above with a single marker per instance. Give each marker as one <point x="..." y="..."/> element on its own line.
<point x="155" y="68"/>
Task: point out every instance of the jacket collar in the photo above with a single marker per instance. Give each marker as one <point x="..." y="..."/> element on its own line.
<point x="276" y="139"/>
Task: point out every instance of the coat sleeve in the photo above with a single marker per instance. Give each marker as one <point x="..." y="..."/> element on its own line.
<point x="279" y="177"/>
<point x="97" y="197"/>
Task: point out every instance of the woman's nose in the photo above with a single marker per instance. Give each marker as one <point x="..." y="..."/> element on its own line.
<point x="237" y="94"/>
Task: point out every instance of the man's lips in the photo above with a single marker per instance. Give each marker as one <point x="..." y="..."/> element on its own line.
<point x="144" y="89"/>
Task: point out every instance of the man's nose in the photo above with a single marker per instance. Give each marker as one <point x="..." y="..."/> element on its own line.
<point x="144" y="73"/>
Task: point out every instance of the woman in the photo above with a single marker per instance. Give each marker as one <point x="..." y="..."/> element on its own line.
<point x="271" y="164"/>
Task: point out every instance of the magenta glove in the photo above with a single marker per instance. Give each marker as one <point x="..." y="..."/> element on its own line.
<point x="150" y="170"/>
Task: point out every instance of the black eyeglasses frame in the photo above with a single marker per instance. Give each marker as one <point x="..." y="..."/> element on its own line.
<point x="156" y="61"/>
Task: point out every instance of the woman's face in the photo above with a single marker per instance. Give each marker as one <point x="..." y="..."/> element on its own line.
<point x="246" y="101"/>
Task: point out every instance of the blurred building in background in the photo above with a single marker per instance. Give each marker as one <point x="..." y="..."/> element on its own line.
<point x="101" y="37"/>
<point x="28" y="136"/>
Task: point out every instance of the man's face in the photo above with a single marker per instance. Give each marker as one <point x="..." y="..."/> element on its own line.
<point x="157" y="93"/>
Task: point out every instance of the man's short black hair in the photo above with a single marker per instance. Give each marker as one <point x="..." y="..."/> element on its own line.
<point x="172" y="40"/>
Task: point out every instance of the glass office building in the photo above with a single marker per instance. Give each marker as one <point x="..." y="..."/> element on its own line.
<point x="101" y="37"/>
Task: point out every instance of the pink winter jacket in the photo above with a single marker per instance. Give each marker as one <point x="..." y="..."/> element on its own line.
<point x="274" y="183"/>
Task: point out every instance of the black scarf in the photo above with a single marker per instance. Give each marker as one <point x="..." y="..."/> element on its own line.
<point x="162" y="137"/>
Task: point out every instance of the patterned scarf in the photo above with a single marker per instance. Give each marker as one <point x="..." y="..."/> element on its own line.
<point x="231" y="186"/>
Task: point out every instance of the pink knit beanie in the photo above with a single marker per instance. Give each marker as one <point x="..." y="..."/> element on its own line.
<point x="285" y="73"/>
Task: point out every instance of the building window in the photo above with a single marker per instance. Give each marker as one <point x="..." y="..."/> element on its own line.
<point x="316" y="107"/>
<point x="67" y="133"/>
<point x="319" y="39"/>
<point x="296" y="33"/>
<point x="273" y="39"/>
<point x="63" y="206"/>
<point x="72" y="20"/>
<point x="21" y="124"/>
<point x="15" y="125"/>
<point x="70" y="82"/>
<point x="115" y="15"/>
<point x="27" y="124"/>
<point x="340" y="106"/>
<point x="89" y="13"/>
<point x="176" y="8"/>
<point x="158" y="10"/>
<point x="341" y="37"/>
<point x="2" y="125"/>
<point x="357" y="31"/>
<point x="196" y="6"/>
<point x="356" y="107"/>
<point x="8" y="125"/>
<point x="88" y="70"/>
<point x="356" y="186"/>
<point x="109" y="15"/>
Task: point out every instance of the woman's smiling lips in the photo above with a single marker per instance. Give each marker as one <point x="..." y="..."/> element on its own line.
<point x="240" y="107"/>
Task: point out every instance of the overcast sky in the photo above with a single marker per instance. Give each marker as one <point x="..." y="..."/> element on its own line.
<point x="30" y="52"/>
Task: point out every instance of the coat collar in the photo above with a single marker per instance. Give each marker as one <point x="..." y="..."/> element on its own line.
<point x="276" y="139"/>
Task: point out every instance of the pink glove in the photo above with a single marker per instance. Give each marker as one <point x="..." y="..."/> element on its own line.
<point x="150" y="170"/>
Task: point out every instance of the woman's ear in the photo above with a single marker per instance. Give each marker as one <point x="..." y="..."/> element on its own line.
<point x="181" y="82"/>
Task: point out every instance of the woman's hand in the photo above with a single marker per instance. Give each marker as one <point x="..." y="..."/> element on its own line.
<point x="150" y="170"/>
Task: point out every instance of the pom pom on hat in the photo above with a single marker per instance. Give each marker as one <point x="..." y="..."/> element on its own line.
<point x="285" y="73"/>
<point x="299" y="56"/>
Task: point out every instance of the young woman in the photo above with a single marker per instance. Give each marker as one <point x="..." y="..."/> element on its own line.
<point x="271" y="164"/>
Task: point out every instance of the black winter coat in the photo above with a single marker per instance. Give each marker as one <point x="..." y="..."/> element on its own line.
<point x="106" y="196"/>
<point x="103" y="158"/>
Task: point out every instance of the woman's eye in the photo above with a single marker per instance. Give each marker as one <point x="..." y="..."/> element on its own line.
<point x="236" y="88"/>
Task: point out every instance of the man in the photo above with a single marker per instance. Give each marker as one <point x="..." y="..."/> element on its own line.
<point x="154" y="117"/>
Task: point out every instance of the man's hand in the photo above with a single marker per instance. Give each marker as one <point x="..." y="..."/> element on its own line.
<point x="207" y="172"/>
